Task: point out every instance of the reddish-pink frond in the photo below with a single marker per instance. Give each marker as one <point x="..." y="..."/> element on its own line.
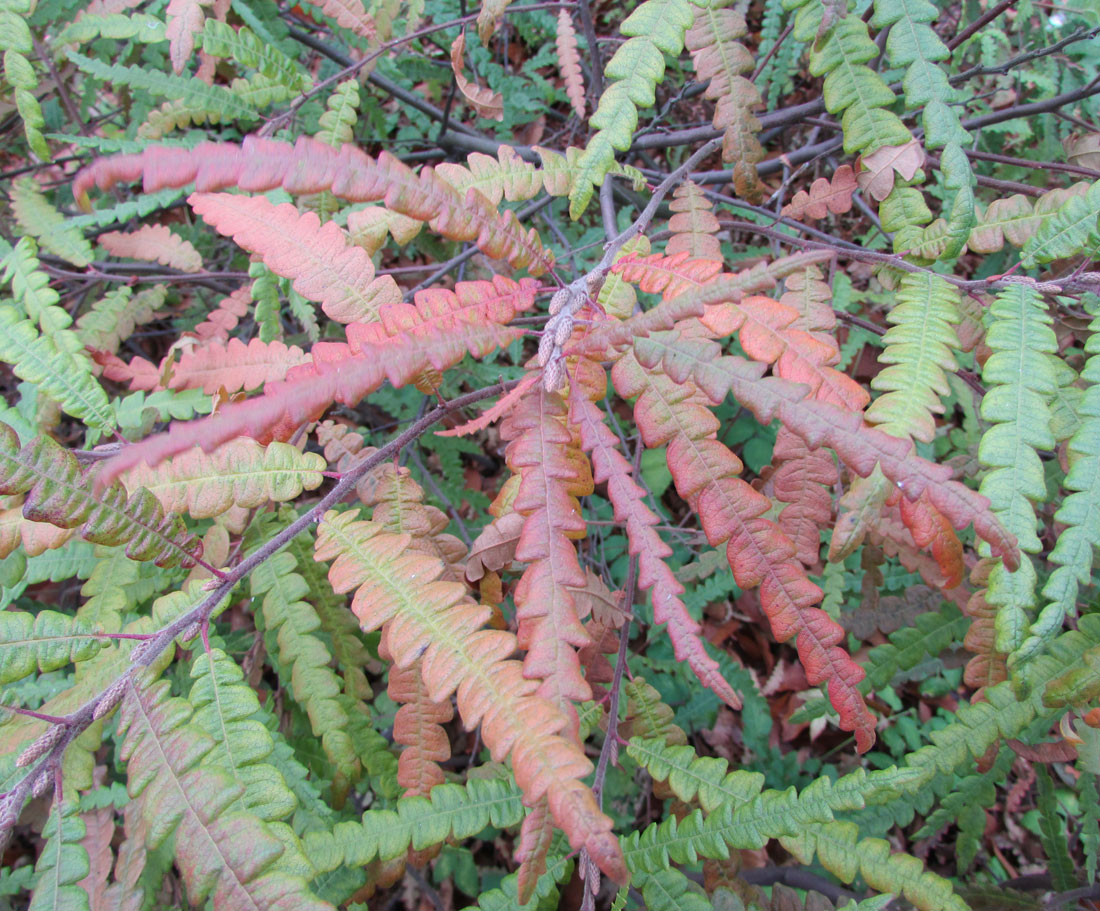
<point x="418" y="728"/>
<point x="437" y="309"/>
<point x="732" y="513"/>
<point x="821" y="423"/>
<point x="535" y="836"/>
<point x="310" y="389"/>
<point x="322" y="264"/>
<point x="430" y="620"/>
<point x="802" y="479"/>
<point x="553" y="473"/>
<point x="861" y="448"/>
<point x="767" y="333"/>
<point x="668" y="276"/>
<point x="225" y="316"/>
<point x="496" y="411"/>
<point x="138" y="373"/>
<point x="890" y="534"/>
<point x="808" y="294"/>
<point x="310" y="166"/>
<point x="611" y="468"/>
<point x="235" y="366"/>
<point x="693" y="225"/>
<point x="569" y="64"/>
<point x="155" y="244"/>
<point x="929" y="528"/>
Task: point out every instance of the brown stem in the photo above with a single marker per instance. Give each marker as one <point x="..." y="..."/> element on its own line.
<point x="988" y="16"/>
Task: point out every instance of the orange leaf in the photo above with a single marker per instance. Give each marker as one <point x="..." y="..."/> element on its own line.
<point x="825" y="196"/>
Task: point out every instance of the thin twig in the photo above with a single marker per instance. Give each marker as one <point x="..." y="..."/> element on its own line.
<point x="988" y="16"/>
<point x="771" y="52"/>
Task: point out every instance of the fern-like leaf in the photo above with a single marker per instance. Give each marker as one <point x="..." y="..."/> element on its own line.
<point x="802" y="480"/>
<point x="153" y="243"/>
<point x="720" y="58"/>
<point x="1020" y="380"/>
<point x="56" y="364"/>
<point x="34" y="537"/>
<point x="840" y="849"/>
<point x="1073" y="553"/>
<point x="310" y="166"/>
<point x="612" y="468"/>
<point x="114" y="318"/>
<point x="706" y="475"/>
<point x="918" y="348"/>
<point x="184" y="19"/>
<point x="350" y="14"/>
<point x="1070" y="230"/>
<point x="58" y="492"/>
<point x="243" y="47"/>
<point x="63" y="862"/>
<point x="212" y="100"/>
<point x="292" y="628"/>
<point x="552" y="474"/>
<point x="31" y="287"/>
<point x="225" y="707"/>
<point x="859" y="447"/>
<point x="220" y="850"/>
<point x="855" y="89"/>
<point x="38" y="218"/>
<point x="655" y="28"/>
<point x="241" y="473"/>
<point x="306" y="394"/>
<point x="693" y="225"/>
<point x="235" y="366"/>
<point x="43" y="642"/>
<point x="428" y="619"/>
<point x="323" y="265"/>
<point x="569" y="62"/>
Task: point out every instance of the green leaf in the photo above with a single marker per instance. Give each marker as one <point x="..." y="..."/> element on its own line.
<point x="56" y="363"/>
<point x="37" y="217"/>
<point x="1070" y="230"/>
<point x="1052" y="833"/>
<point x="43" y="642"/>
<point x="920" y="347"/>
<point x="31" y="287"/>
<point x="1020" y="381"/>
<point x="58" y="492"/>
<point x="63" y="862"/>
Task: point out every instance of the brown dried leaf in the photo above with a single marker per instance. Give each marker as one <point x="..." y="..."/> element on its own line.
<point x="879" y="168"/>
<point x="495" y="547"/>
<point x="825" y="196"/>
<point x="605" y="606"/>
<point x="485" y="101"/>
<point x="1083" y="151"/>
<point x="489" y="19"/>
<point x="1059" y="751"/>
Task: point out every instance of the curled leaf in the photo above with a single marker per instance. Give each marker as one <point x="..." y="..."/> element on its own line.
<point x="485" y="101"/>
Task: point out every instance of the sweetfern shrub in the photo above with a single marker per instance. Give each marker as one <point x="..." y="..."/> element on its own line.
<point x="466" y="453"/>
